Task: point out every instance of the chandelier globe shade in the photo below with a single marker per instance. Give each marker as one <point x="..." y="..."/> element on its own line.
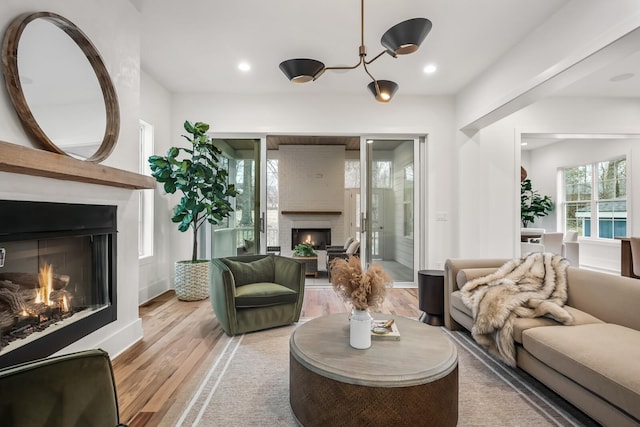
<point x="407" y="36"/>
<point x="301" y="70"/>
<point x="385" y="90"/>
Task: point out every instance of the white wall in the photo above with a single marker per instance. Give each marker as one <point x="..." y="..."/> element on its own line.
<point x="119" y="47"/>
<point x="157" y="273"/>
<point x="347" y="115"/>
<point x="486" y="198"/>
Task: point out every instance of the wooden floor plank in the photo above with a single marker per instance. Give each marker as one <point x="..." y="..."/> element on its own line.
<point x="179" y="337"/>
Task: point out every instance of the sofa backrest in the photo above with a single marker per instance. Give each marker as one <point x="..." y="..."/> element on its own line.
<point x="610" y="298"/>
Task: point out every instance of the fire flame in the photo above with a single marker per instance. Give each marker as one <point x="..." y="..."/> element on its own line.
<point x="64" y="304"/>
<point x="45" y="279"/>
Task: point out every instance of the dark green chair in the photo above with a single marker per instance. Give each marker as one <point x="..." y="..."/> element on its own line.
<point x="250" y="293"/>
<point x="76" y="389"/>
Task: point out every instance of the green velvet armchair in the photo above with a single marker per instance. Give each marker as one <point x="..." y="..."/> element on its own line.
<point x="250" y="293"/>
<point x="75" y="389"/>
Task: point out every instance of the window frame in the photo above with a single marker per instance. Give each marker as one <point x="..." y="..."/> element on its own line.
<point x="594" y="200"/>
<point x="146" y="202"/>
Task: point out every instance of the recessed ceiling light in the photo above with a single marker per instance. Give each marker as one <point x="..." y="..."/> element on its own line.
<point x="621" y="77"/>
<point x="524" y="143"/>
<point x="244" y="66"/>
<point x="430" y="69"/>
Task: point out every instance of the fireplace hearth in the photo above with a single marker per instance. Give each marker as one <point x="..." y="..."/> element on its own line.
<point x="58" y="279"/>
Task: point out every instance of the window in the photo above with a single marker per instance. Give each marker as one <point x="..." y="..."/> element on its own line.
<point x="381" y="171"/>
<point x="245" y="172"/>
<point x="408" y="200"/>
<point x="352" y="174"/>
<point x="609" y="202"/>
<point x="381" y="174"/>
<point x="145" y="201"/>
<point x="273" y="238"/>
<point x="227" y="165"/>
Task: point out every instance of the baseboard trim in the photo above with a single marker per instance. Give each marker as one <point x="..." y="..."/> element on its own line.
<point x="150" y="292"/>
<point x="117" y="340"/>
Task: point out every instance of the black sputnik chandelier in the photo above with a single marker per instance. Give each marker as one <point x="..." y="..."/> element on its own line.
<point x="401" y="39"/>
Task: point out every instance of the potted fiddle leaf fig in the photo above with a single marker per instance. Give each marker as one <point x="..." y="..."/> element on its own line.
<point x="199" y="175"/>
<point x="532" y="204"/>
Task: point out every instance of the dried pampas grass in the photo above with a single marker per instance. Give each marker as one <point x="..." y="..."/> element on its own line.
<point x="362" y="289"/>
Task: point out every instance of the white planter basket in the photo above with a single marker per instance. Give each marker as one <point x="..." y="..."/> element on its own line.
<point x="192" y="280"/>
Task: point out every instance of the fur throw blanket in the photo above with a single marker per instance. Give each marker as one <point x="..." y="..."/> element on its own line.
<point x="532" y="286"/>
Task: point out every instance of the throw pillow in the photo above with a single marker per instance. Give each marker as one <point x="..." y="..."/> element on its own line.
<point x="261" y="270"/>
<point x="353" y="247"/>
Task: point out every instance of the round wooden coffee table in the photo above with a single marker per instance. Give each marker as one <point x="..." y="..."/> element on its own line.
<point x="413" y="381"/>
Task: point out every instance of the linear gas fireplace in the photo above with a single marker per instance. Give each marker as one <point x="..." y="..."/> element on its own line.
<point x="319" y="238"/>
<point x="57" y="276"/>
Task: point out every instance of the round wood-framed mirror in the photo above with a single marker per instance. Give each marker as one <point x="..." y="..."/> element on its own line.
<point x="60" y="87"/>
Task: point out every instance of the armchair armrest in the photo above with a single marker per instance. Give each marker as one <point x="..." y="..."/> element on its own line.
<point x="289" y="273"/>
<point x="222" y="292"/>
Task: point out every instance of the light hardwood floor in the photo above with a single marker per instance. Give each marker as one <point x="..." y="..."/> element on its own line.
<point x="178" y="336"/>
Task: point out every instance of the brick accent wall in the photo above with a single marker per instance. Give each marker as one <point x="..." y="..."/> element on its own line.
<point x="311" y="178"/>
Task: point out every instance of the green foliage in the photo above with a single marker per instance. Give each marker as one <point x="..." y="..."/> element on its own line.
<point x="303" y="249"/>
<point x="197" y="173"/>
<point x="532" y="204"/>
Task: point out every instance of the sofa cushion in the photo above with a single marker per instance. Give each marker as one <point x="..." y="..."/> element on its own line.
<point x="264" y="294"/>
<point x="466" y="274"/>
<point x="600" y="357"/>
<point x="261" y="270"/>
<point x="456" y="300"/>
<point x="522" y="323"/>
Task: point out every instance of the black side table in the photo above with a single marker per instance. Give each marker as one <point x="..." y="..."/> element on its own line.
<point x="431" y="296"/>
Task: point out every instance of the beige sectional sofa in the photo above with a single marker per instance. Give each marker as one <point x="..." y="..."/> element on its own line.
<point x="595" y="363"/>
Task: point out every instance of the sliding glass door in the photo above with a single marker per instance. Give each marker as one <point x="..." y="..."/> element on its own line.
<point x="388" y="200"/>
<point x="241" y="233"/>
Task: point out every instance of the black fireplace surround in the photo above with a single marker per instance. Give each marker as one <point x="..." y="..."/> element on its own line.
<point x="319" y="238"/>
<point x="77" y="239"/>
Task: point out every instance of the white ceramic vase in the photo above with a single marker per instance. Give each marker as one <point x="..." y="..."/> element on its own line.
<point x="360" y="329"/>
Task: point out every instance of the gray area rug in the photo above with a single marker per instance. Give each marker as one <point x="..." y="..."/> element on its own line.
<point x="247" y="384"/>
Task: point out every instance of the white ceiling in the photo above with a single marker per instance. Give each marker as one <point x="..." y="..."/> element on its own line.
<point x="196" y="45"/>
